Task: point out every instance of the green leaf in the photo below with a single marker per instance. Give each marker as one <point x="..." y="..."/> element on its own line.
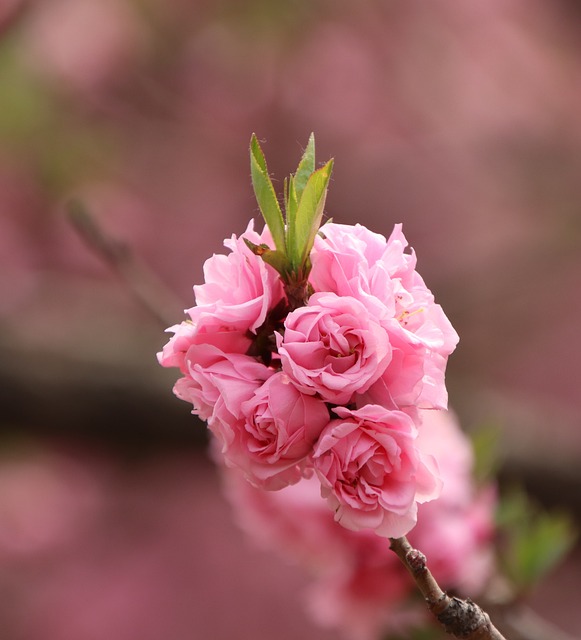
<point x="534" y="540"/>
<point x="306" y="167"/>
<point x="291" y="217"/>
<point x="309" y="215"/>
<point x="276" y="259"/>
<point x="266" y="195"/>
<point x="296" y="186"/>
<point x="486" y="446"/>
<point x="550" y="539"/>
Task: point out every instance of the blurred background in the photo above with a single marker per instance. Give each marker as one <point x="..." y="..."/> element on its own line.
<point x="459" y="119"/>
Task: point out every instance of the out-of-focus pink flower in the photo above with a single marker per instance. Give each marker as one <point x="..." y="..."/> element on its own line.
<point x="45" y="500"/>
<point x="353" y="261"/>
<point x="294" y="522"/>
<point x="333" y="347"/>
<point x="371" y="471"/>
<point x="456" y="530"/>
<point x="83" y="43"/>
<point x="277" y="433"/>
<point x="361" y="587"/>
<point x="366" y="600"/>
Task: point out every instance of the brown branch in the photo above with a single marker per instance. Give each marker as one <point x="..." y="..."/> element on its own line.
<point x="460" y="618"/>
<point x="142" y="282"/>
<point x="10" y="17"/>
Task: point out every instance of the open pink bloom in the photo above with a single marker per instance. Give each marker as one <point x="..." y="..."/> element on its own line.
<point x="353" y="261"/>
<point x="239" y="291"/>
<point x="333" y="347"/>
<point x="372" y="472"/>
<point x="216" y="383"/>
<point x="276" y="433"/>
<point x="205" y="329"/>
<point x="210" y="349"/>
<point x="240" y="288"/>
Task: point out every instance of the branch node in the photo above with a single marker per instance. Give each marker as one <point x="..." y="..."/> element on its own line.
<point x="462" y="618"/>
<point x="416" y="561"/>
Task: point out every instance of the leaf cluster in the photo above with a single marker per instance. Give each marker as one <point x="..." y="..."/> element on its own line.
<point x="532" y="540"/>
<point x="294" y="232"/>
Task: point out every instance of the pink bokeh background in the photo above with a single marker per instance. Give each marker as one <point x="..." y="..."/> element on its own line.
<point x="461" y="120"/>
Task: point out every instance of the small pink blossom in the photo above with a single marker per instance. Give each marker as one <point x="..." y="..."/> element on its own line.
<point x="206" y="329"/>
<point x="216" y="383"/>
<point x="276" y="433"/>
<point x="333" y="347"/>
<point x="240" y="288"/>
<point x="372" y="472"/>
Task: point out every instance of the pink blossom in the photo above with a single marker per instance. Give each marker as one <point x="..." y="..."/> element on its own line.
<point x="353" y="261"/>
<point x="455" y="532"/>
<point x="240" y="288"/>
<point x="367" y="600"/>
<point x="371" y="471"/>
<point x="333" y="347"/>
<point x="277" y="431"/>
<point x="210" y="349"/>
<point x="294" y="521"/>
<point x="217" y="383"/>
<point x="206" y="329"/>
<point x="403" y="383"/>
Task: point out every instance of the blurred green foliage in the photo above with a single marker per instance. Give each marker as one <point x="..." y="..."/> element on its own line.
<point x="532" y="541"/>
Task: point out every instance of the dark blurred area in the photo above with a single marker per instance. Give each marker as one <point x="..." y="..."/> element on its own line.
<point x="461" y="120"/>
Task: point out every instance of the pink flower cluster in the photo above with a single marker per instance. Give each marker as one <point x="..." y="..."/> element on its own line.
<point x="360" y="586"/>
<point x="333" y="386"/>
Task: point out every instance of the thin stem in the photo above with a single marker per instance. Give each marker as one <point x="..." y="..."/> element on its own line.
<point x="142" y="282"/>
<point x="460" y="618"/>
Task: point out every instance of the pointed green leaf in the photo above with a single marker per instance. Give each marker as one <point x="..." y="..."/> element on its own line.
<point x="309" y="214"/>
<point x="306" y="167"/>
<point x="257" y="249"/>
<point x="266" y="195"/>
<point x="291" y="217"/>
<point x="276" y="259"/>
